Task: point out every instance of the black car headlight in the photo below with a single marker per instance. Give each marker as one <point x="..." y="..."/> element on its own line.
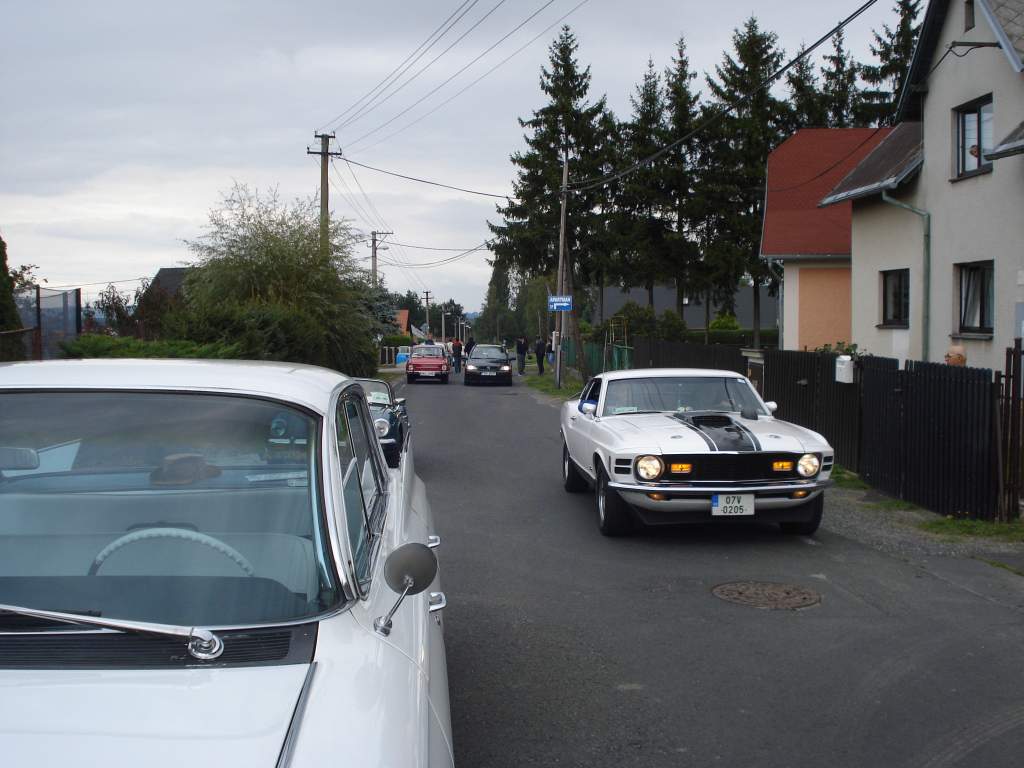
<point x="649" y="467"/>
<point x="383" y="426"/>
<point x="808" y="465"/>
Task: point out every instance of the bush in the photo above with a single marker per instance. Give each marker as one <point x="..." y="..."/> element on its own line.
<point x="671" y="326"/>
<point x="12" y="346"/>
<point x="101" y="345"/>
<point x="725" y="322"/>
<point x="396" y="341"/>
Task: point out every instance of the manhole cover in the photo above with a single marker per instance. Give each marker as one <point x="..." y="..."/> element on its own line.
<point x="766" y="594"/>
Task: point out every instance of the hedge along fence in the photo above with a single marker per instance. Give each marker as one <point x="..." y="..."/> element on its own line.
<point x="99" y="346"/>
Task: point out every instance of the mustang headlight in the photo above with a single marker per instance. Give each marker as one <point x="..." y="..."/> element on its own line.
<point x="808" y="465"/>
<point x="470" y="367"/>
<point x="382" y="426"/>
<point x="649" y="467"/>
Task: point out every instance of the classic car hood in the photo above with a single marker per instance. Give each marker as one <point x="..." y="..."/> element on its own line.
<point x="673" y="435"/>
<point x="156" y="718"/>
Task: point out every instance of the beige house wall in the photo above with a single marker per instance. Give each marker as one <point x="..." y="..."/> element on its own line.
<point x="816" y="303"/>
<point x="973" y="219"/>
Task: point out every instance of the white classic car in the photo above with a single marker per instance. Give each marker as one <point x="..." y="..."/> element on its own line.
<point x="210" y="563"/>
<point x="686" y="445"/>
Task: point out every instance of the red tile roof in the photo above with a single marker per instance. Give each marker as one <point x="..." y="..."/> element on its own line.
<point x="801" y="171"/>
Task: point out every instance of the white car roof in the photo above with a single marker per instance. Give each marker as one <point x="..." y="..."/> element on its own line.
<point x="307" y="385"/>
<point x="647" y="373"/>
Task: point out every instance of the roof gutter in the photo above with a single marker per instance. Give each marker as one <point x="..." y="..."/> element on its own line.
<point x="926" y="267"/>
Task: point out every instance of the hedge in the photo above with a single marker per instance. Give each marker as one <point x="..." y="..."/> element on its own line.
<point x="96" y="345"/>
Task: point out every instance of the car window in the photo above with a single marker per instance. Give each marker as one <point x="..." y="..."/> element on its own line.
<point x="377" y="392"/>
<point x="489" y="353"/>
<point x="680" y="394"/>
<point x="432" y="351"/>
<point x="594" y="392"/>
<point x="356" y="522"/>
<point x="364" y="475"/>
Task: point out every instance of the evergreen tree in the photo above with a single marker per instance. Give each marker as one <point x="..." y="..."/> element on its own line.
<point x="683" y="110"/>
<point x="806" y="101"/>
<point x="643" y="223"/>
<point x="893" y="49"/>
<point x="736" y="161"/>
<point x="11" y="347"/>
<point x="839" y="77"/>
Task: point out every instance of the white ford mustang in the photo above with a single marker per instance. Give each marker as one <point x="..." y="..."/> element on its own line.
<point x="210" y="563"/>
<point x="687" y="445"/>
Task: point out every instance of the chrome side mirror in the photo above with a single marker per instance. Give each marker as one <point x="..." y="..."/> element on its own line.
<point x="409" y="570"/>
<point x="772" y="406"/>
<point x="400" y="401"/>
<point x="588" y="408"/>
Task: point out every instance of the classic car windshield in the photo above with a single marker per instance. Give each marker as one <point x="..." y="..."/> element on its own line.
<point x="488" y="353"/>
<point x="679" y="393"/>
<point x="377" y="392"/>
<point x="189" y="509"/>
<point x="431" y="351"/>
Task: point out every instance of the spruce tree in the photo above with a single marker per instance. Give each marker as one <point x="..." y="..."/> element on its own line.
<point x="806" y="101"/>
<point x="738" y="158"/>
<point x="893" y="49"/>
<point x="11" y="347"/>
<point x="839" y="83"/>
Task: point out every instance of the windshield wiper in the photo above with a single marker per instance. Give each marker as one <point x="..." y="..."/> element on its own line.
<point x="202" y="643"/>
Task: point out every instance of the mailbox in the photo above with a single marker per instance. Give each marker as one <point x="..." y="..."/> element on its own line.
<point x="844" y="369"/>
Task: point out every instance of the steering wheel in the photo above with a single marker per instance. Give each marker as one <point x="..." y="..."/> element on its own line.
<point x="183" y="534"/>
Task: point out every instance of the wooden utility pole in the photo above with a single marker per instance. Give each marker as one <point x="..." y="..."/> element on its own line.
<point x="325" y="184"/>
<point x="560" y="317"/>
<point x="373" y="254"/>
<point x="426" y="302"/>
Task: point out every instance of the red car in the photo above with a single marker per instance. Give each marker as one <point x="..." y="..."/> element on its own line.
<point x="427" y="361"/>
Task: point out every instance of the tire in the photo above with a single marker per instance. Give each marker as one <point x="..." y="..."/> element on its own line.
<point x="572" y="478"/>
<point x="809" y="527"/>
<point x="467" y="382"/>
<point x="613" y="518"/>
<point x="410" y="379"/>
<point x="444" y="379"/>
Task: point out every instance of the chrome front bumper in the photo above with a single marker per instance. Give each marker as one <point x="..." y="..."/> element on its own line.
<point x="693" y="503"/>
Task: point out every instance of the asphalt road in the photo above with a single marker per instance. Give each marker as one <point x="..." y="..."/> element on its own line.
<point x="569" y="648"/>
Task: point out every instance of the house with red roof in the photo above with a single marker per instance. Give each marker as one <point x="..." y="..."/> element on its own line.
<point x="807" y="245"/>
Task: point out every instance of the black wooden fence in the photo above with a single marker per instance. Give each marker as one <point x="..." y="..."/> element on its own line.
<point x="680" y="354"/>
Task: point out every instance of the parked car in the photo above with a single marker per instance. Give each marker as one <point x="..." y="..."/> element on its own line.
<point x="208" y="563"/>
<point x="427" y="361"/>
<point x="688" y="445"/>
<point x="390" y="418"/>
<point x="488" y="364"/>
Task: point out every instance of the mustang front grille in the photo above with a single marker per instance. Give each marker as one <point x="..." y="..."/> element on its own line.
<point x="731" y="467"/>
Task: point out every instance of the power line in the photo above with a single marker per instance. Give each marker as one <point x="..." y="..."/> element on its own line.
<point x="368" y="109"/>
<point x="458" y="93"/>
<point x="588" y="184"/>
<point x="431" y="248"/>
<point x="458" y="72"/>
<point x="424" y="181"/>
<point x="388" y="77"/>
<point x="449" y="260"/>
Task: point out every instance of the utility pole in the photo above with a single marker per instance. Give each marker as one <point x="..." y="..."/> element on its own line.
<point x="443" y="337"/>
<point x="325" y="183"/>
<point x="560" y="317"/>
<point x="426" y="301"/>
<point x="373" y="253"/>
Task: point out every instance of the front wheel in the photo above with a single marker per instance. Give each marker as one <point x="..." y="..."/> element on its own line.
<point x="444" y="379"/>
<point x="807" y="527"/>
<point x="571" y="477"/>
<point x="613" y="517"/>
<point x="410" y="379"/>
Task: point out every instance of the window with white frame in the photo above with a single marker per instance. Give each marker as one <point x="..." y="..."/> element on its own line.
<point x="977" y="295"/>
<point x="896" y="298"/>
<point x="973" y="136"/>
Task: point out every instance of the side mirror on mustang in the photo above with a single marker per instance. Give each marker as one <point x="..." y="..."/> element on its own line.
<point x="772" y="406"/>
<point x="588" y="407"/>
<point x="409" y="570"/>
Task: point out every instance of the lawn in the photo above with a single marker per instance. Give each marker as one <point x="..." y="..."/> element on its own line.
<point x="948" y="526"/>
<point x="571" y="383"/>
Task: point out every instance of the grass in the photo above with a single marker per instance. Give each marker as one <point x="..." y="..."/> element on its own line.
<point x="892" y="505"/>
<point x="980" y="529"/>
<point x="571" y="384"/>
<point x="844" y="478"/>
<point x="1004" y="566"/>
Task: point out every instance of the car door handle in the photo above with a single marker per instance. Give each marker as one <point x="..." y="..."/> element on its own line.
<point x="433" y="541"/>
<point x="437" y="601"/>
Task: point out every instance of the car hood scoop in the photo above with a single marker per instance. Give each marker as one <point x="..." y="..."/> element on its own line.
<point x="155" y="718"/>
<point x="721" y="431"/>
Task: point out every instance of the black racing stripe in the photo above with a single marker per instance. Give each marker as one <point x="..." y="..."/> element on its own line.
<point x="724" y="433"/>
<point x="750" y="434"/>
<point x="707" y="440"/>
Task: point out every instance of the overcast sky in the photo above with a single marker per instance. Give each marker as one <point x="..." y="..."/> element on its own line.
<point x="124" y="121"/>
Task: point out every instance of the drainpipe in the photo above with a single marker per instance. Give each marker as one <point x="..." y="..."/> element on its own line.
<point x="779" y="271"/>
<point x="926" y="268"/>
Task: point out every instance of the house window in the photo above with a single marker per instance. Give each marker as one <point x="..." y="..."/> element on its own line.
<point x="974" y="136"/>
<point x="977" y="291"/>
<point x="896" y="297"/>
<point x="968" y="15"/>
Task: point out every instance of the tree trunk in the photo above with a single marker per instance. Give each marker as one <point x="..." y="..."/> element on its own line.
<point x="680" y="298"/>
<point x="650" y="294"/>
<point x="600" y="297"/>
<point x="756" y="342"/>
<point x="707" y="316"/>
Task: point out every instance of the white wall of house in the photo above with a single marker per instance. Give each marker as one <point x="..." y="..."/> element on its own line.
<point x="979" y="218"/>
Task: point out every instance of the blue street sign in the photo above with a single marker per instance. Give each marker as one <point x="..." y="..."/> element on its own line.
<point x="559" y="303"/>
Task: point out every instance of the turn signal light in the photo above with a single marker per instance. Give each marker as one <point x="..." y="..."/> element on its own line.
<point x="800" y="494"/>
<point x="657" y="496"/>
<point x="682" y="469"/>
<point x="782" y="466"/>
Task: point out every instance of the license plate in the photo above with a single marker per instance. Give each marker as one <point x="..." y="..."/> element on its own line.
<point x="732" y="504"/>
<point x="488" y="373"/>
<point x="426" y="373"/>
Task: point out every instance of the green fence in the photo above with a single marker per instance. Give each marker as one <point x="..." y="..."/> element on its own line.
<point x="598" y="358"/>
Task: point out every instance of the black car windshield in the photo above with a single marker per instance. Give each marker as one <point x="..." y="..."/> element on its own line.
<point x="188" y="509"/>
<point x="488" y="353"/>
<point x="431" y="351"/>
<point x="679" y="394"/>
<point x="377" y="392"/>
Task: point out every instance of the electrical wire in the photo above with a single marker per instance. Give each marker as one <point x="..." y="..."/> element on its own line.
<point x="423" y="181"/>
<point x="429" y="247"/>
<point x="393" y="72"/>
<point x="600" y="181"/>
<point x="449" y="260"/>
<point x="458" y="72"/>
<point x="832" y="167"/>
<point x="458" y="93"/>
<point x="367" y="110"/>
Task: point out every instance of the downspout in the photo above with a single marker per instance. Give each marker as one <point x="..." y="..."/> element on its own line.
<point x="926" y="267"/>
<point x="779" y="271"/>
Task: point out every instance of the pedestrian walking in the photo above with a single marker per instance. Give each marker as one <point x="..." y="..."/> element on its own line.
<point x="550" y="353"/>
<point x="457" y="355"/>
<point x="522" y="346"/>
<point x="538" y="350"/>
<point x="469" y="346"/>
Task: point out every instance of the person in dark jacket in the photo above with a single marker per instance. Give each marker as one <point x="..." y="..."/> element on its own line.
<point x="469" y="346"/>
<point x="457" y="355"/>
<point x="538" y="350"/>
<point x="522" y="346"/>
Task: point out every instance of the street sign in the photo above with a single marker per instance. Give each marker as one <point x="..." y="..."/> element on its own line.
<point x="559" y="303"/>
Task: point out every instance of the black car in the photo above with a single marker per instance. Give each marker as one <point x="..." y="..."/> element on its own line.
<point x="390" y="418"/>
<point x="488" y="364"/>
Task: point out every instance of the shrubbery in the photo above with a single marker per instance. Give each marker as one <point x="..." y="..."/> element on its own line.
<point x="641" y="322"/>
<point x="98" y="345"/>
<point x="396" y="341"/>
